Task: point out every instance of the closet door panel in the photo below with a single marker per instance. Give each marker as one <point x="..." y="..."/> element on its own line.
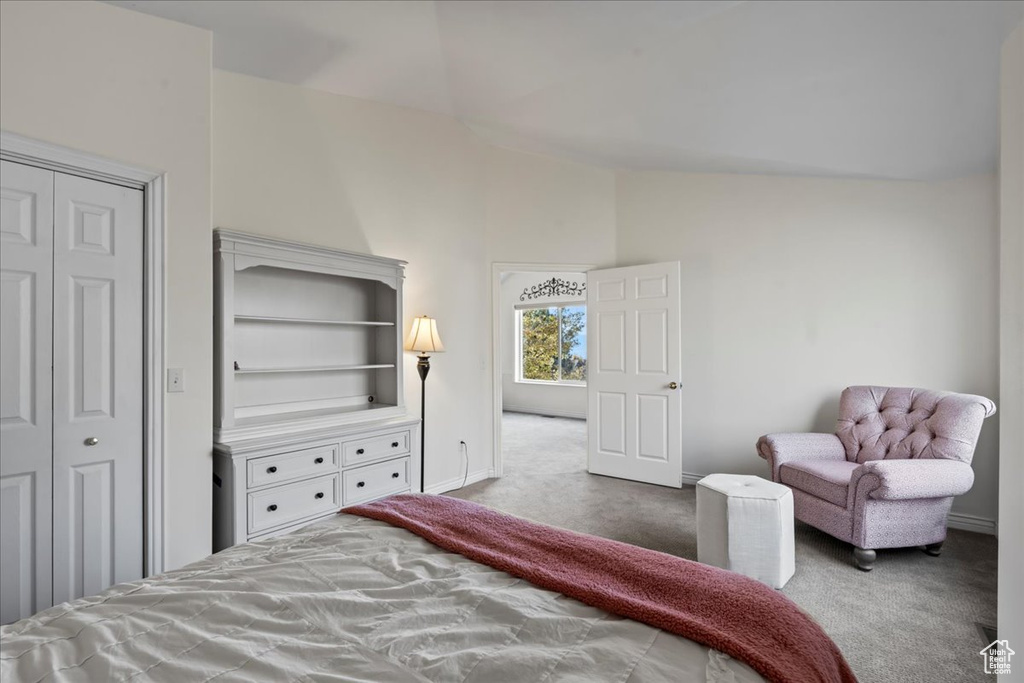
<point x="26" y="276"/>
<point x="97" y="407"/>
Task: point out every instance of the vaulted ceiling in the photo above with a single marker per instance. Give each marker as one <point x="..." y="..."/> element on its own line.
<point x="858" y="89"/>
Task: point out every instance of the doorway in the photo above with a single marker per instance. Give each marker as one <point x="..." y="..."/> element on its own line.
<point x="540" y="347"/>
<point x="633" y="407"/>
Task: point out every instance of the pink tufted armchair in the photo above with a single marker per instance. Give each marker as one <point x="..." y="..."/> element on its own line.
<point x="887" y="477"/>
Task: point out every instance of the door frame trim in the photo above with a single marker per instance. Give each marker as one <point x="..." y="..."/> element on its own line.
<point x="498" y="268"/>
<point x="32" y="152"/>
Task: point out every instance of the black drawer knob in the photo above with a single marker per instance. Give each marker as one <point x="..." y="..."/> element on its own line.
<point x="271" y="470"/>
<point x="319" y="495"/>
<point x="318" y="461"/>
<point x="360" y="484"/>
<point x="360" y="451"/>
<point x="394" y="444"/>
<point x="271" y="508"/>
<point x="394" y="475"/>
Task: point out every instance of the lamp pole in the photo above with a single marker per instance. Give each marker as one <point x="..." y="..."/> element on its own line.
<point x="423" y="367"/>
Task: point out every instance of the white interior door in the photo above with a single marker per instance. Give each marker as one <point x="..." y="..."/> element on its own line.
<point x="634" y="418"/>
<point x="26" y="277"/>
<point x="97" y="398"/>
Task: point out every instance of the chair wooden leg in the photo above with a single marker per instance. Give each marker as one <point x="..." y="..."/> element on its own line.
<point x="864" y="558"/>
<point x="934" y="549"/>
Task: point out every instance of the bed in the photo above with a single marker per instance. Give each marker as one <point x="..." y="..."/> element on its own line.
<point x="349" y="599"/>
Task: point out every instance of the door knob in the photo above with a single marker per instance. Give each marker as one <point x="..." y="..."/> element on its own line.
<point x="91" y="441"/>
<point x="673" y="386"/>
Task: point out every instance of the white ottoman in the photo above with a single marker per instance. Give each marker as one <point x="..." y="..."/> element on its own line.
<point x="745" y="524"/>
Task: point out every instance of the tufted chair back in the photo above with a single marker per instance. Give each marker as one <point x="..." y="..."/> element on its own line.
<point x="884" y="423"/>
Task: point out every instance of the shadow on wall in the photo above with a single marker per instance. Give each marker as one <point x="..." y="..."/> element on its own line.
<point x="825" y="418"/>
<point x="824" y="422"/>
<point x="278" y="36"/>
<point x="313" y="174"/>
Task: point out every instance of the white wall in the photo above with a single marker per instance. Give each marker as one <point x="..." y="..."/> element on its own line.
<point x="137" y="89"/>
<point x="543" y="210"/>
<point x="1011" y="363"/>
<point x="565" y="400"/>
<point x="794" y="288"/>
<point x="340" y="172"/>
<point x="298" y="164"/>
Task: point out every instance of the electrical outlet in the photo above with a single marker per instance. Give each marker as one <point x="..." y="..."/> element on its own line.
<point x="175" y="380"/>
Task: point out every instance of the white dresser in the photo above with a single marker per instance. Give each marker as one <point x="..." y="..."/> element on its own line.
<point x="309" y="408"/>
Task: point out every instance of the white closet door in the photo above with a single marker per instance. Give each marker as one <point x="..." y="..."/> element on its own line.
<point x="97" y="398"/>
<point x="26" y="277"/>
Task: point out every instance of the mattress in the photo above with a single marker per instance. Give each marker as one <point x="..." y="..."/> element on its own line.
<point x="346" y="599"/>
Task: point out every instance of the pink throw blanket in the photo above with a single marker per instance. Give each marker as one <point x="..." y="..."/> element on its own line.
<point x="731" y="613"/>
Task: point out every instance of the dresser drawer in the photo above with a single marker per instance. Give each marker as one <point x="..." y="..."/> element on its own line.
<point x="275" y="469"/>
<point x="374" y="481"/>
<point x="281" y="505"/>
<point x="380" y="446"/>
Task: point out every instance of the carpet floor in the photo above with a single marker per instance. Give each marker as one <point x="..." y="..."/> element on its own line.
<point x="913" y="618"/>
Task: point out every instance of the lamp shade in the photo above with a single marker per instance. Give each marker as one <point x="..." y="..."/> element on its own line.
<point x="423" y="336"/>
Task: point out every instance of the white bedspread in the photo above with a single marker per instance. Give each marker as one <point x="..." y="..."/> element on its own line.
<point x="348" y="599"/>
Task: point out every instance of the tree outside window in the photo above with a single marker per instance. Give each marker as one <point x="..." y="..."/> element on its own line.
<point x="554" y="344"/>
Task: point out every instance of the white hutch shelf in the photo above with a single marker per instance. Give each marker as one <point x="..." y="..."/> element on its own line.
<point x="308" y="384"/>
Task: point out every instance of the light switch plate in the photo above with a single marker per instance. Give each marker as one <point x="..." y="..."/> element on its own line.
<point x="175" y="380"/>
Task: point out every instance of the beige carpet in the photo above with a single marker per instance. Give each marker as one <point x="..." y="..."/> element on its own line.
<point x="911" y="619"/>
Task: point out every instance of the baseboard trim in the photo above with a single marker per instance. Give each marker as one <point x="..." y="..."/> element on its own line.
<point x="456" y="483"/>
<point x="980" y="525"/>
<point x="956" y="520"/>
<point x="543" y="411"/>
<point x="691" y="479"/>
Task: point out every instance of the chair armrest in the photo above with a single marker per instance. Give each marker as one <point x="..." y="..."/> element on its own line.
<point x="912" y="479"/>
<point x="778" y="449"/>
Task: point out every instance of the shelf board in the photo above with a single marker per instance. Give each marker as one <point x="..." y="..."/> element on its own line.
<point x="312" y="368"/>
<point x="309" y="321"/>
<point x="298" y="416"/>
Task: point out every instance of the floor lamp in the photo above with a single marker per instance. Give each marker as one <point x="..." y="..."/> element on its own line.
<point x="423" y="339"/>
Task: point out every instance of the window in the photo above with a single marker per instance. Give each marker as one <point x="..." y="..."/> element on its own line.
<point x="553" y="344"/>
